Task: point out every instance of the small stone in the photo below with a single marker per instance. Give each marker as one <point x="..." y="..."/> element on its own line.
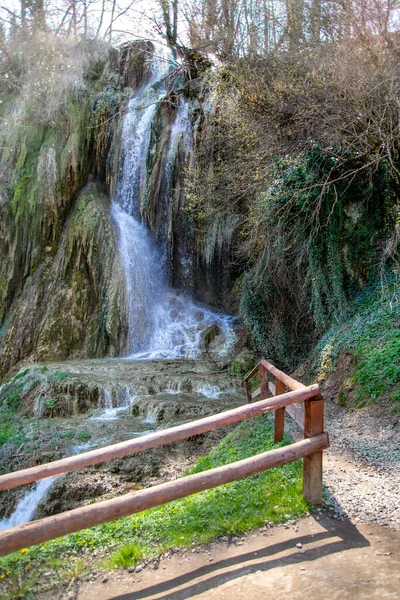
<point x="210" y="559"/>
<point x="131" y="570"/>
<point x="225" y="539"/>
<point x="155" y="566"/>
<point x="104" y="580"/>
<point x="138" y="569"/>
<point x="302" y="568"/>
<point x="299" y="545"/>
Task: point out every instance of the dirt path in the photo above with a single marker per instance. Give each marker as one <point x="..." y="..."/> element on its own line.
<point x="309" y="559"/>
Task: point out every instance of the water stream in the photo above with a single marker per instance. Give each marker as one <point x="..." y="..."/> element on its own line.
<point x="163" y="323"/>
<point x="26" y="507"/>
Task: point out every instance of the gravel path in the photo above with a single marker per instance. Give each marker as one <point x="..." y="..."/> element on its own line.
<point x="362" y="465"/>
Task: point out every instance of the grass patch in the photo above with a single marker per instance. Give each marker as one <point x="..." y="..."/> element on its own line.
<point x="10" y="409"/>
<point x="372" y="334"/>
<point x="275" y="495"/>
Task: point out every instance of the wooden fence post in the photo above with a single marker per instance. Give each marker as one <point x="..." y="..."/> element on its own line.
<point x="279" y="428"/>
<point x="312" y="464"/>
<point x="263" y="383"/>
<point x="248" y="391"/>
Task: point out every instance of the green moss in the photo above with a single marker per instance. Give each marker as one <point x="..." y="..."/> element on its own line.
<point x="371" y="335"/>
<point x="317" y="247"/>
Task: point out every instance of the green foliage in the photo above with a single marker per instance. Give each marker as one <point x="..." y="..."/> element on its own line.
<point x="283" y="155"/>
<point x="234" y="508"/>
<point x="317" y="242"/>
<point x="83" y="436"/>
<point x="57" y="376"/>
<point x="372" y="336"/>
<point x="127" y="556"/>
<point x="6" y="429"/>
<point x="11" y="410"/>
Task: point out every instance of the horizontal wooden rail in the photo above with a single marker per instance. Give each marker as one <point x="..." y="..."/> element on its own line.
<point x="158" y="438"/>
<point x="294" y="411"/>
<point x="49" y="528"/>
<point x="288" y="381"/>
<point x="291" y="383"/>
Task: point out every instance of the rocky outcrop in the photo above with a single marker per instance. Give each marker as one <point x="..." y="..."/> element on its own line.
<point x="62" y="292"/>
<point x="74" y="303"/>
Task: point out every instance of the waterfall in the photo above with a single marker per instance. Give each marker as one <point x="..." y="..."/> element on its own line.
<point x="163" y="323"/>
<point x="26" y="507"/>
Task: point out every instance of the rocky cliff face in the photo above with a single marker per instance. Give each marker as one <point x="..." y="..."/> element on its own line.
<point x="62" y="291"/>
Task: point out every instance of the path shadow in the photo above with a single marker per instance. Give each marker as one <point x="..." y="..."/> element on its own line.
<point x="349" y="536"/>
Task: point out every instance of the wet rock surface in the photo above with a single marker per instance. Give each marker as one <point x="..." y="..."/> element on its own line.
<point x="81" y="405"/>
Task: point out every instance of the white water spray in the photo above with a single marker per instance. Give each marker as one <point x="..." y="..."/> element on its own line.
<point x="26" y="507"/>
<point x="163" y="323"/>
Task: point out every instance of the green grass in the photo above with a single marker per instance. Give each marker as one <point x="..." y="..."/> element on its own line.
<point x="234" y="508"/>
<point x="10" y="401"/>
<point x="372" y="334"/>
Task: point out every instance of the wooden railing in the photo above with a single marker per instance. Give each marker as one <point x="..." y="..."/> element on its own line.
<point x="311" y="420"/>
<point x="310" y="449"/>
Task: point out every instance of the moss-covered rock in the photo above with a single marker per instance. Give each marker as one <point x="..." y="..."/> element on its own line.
<point x="243" y="362"/>
<point x="74" y="304"/>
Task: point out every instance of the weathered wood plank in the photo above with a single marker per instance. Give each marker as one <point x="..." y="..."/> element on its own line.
<point x="38" y="532"/>
<point x="248" y="391"/>
<point x="253" y="372"/>
<point x="288" y="381"/>
<point x="279" y="424"/>
<point x="263" y="382"/>
<point x="312" y="464"/>
<point x="158" y="438"/>
<point x="297" y="415"/>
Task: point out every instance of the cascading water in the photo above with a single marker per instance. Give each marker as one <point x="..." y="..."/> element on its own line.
<point x="26" y="507"/>
<point x="162" y="322"/>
